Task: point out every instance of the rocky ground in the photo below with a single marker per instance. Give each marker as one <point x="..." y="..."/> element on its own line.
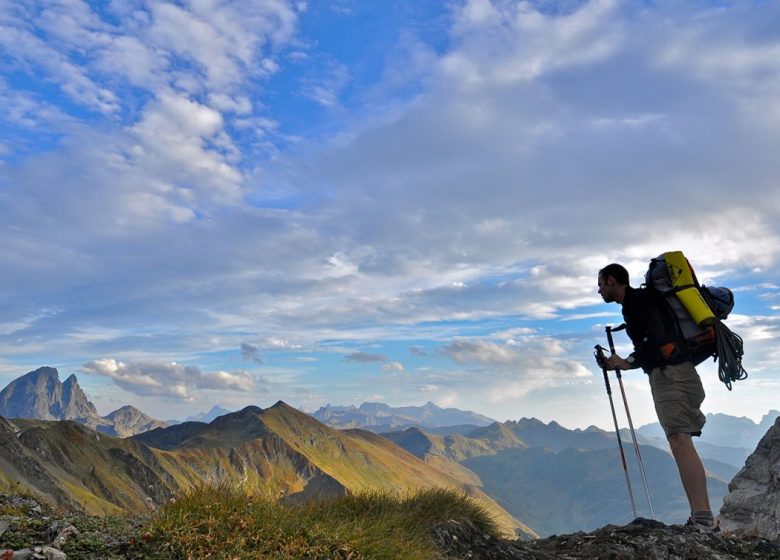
<point x="31" y="530"/>
<point x="642" y="539"/>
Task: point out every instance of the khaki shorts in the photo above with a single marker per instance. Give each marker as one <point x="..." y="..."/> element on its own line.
<point x="678" y="394"/>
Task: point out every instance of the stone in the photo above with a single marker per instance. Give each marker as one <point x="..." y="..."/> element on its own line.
<point x="51" y="553"/>
<point x="63" y="534"/>
<point x="752" y="506"/>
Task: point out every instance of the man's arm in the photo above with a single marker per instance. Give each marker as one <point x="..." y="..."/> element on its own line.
<point x="616" y="362"/>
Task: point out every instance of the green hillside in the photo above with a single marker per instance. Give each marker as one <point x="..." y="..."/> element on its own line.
<point x="278" y="453"/>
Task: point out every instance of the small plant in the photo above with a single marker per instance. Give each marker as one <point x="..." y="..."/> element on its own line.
<point x="226" y="522"/>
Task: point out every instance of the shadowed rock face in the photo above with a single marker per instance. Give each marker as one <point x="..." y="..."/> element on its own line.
<point x="753" y="503"/>
<point x="39" y="394"/>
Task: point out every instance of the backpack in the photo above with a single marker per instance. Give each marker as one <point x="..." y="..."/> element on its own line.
<point x="698" y="312"/>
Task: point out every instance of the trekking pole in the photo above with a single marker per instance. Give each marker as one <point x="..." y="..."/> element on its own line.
<point x="600" y="359"/>
<point x="610" y="330"/>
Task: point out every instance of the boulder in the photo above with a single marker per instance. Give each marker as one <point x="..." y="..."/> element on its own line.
<point x="752" y="505"/>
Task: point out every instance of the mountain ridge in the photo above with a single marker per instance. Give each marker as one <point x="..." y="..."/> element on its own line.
<point x="279" y="452"/>
<point x="380" y="417"/>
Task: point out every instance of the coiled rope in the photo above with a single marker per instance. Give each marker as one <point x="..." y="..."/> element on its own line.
<point x="730" y="352"/>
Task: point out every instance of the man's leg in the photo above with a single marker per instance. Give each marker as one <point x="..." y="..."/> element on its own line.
<point x="691" y="471"/>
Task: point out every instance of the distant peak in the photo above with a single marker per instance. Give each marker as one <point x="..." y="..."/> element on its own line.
<point x="127" y="410"/>
<point x="128" y="407"/>
<point x="281" y="405"/>
<point x="253" y="409"/>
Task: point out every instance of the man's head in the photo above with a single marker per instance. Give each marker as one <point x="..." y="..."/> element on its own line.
<point x="613" y="280"/>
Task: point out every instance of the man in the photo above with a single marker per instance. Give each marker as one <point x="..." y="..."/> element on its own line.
<point x="675" y="385"/>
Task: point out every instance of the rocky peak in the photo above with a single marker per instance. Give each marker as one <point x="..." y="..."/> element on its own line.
<point x="40" y="395"/>
<point x="753" y="503"/>
<point x="74" y="403"/>
<point x="128" y="421"/>
<point x="37" y="394"/>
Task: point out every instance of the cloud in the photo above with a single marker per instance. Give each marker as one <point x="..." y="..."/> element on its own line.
<point x="250" y="353"/>
<point x="365" y="358"/>
<point x="545" y="358"/>
<point x="159" y="203"/>
<point x="393" y="366"/>
<point x="168" y="379"/>
<point x="417" y="351"/>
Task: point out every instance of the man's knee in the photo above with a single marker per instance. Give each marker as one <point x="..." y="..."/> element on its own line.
<point x="680" y="441"/>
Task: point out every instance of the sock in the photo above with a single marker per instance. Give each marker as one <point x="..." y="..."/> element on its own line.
<point x="703" y="518"/>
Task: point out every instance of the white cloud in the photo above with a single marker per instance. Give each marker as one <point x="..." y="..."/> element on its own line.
<point x="532" y="44"/>
<point x="535" y="358"/>
<point x="530" y="154"/>
<point x="168" y="379"/>
<point x="393" y="366"/>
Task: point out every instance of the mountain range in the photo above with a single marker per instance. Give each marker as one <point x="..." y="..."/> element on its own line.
<point x="728" y="439"/>
<point x="40" y="395"/>
<point x="278" y="452"/>
<point x="537" y="477"/>
<point x="379" y="417"/>
<point x="558" y="480"/>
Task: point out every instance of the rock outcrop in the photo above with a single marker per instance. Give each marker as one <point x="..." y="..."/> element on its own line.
<point x="753" y="503"/>
<point x="642" y="539"/>
<point x="32" y="530"/>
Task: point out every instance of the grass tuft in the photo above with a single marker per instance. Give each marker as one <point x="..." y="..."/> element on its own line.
<point x="225" y="522"/>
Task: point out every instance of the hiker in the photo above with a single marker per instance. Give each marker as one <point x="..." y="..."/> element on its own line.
<point x="675" y="385"/>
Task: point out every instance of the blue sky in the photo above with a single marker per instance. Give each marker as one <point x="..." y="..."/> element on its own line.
<point x="210" y="202"/>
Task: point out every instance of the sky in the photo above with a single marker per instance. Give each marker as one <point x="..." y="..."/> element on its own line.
<point x="208" y="202"/>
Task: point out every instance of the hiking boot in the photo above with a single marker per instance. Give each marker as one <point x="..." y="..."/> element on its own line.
<point x="713" y="527"/>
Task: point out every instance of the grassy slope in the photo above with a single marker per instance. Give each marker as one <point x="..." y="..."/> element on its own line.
<point x="223" y="522"/>
<point x="364" y="461"/>
<point x="275" y="452"/>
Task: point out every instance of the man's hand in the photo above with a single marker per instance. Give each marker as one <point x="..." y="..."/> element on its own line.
<point x="616" y="362"/>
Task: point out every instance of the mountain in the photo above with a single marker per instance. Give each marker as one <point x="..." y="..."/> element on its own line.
<point x="40" y="395"/>
<point x="279" y="452"/>
<point x="559" y="480"/>
<point x="215" y="411"/>
<point x="379" y="417"/>
<point x="751" y="506"/>
<point x="128" y="421"/>
<point x="564" y="491"/>
<point x="726" y="438"/>
<point x="355" y="459"/>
